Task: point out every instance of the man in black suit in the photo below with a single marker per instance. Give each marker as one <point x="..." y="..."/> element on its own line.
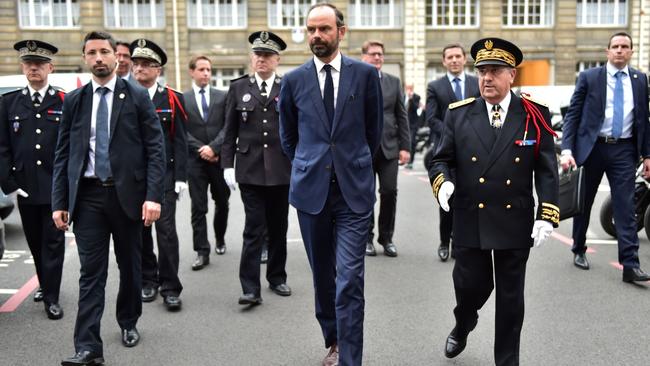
<point x="252" y="146"/>
<point x="29" y="126"/>
<point x="455" y="86"/>
<point x="394" y="150"/>
<point x="412" y="102"/>
<point x="148" y="59"/>
<point x="124" y="62"/>
<point x="108" y="178"/>
<point x="206" y="109"/>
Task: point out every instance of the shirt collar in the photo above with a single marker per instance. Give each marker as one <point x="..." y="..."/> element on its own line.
<point x="335" y="63"/>
<point x="504" y="104"/>
<point x="152" y="90"/>
<point x="269" y="81"/>
<point x="451" y="77"/>
<point x="197" y="89"/>
<point x="612" y="70"/>
<point x="41" y="92"/>
<point x="110" y="85"/>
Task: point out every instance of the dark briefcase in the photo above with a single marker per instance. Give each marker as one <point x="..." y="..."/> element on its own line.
<point x="572" y="193"/>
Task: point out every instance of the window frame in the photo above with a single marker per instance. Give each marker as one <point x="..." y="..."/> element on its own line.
<point x="32" y="16"/>
<point x="116" y="15"/>
<point x="278" y="14"/>
<point x="527" y="6"/>
<point x="391" y="16"/>
<point x="434" y="15"/>
<point x="199" y="16"/>
<point x="217" y="75"/>
<point x="580" y="24"/>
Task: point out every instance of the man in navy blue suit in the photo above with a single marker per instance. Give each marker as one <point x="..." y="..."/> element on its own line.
<point x="605" y="130"/>
<point x="331" y="118"/>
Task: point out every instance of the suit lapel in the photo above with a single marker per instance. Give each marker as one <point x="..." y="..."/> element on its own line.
<point x="481" y="124"/>
<point x="83" y="115"/>
<point x="602" y="80"/>
<point x="191" y="101"/>
<point x="345" y="81"/>
<point x="512" y="125"/>
<point x="636" y="87"/>
<point x="118" y="101"/>
<point x="213" y="101"/>
<point x="469" y="87"/>
<point x="311" y="78"/>
<point x="274" y="89"/>
<point x="450" y="90"/>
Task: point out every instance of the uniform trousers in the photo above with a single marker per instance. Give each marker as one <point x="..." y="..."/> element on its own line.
<point x="386" y="169"/>
<point x="446" y="221"/>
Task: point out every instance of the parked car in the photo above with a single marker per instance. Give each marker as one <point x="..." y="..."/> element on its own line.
<point x="67" y="81"/>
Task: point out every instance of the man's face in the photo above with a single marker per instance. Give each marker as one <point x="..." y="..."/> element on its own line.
<point x="264" y="63"/>
<point x="100" y="57"/>
<point x="37" y="71"/>
<point x="201" y="73"/>
<point x="323" y="35"/>
<point x="145" y="71"/>
<point x="454" y="60"/>
<point x="374" y="56"/>
<point x="124" y="63"/>
<point x="409" y="89"/>
<point x="495" y="81"/>
<point x="619" y="52"/>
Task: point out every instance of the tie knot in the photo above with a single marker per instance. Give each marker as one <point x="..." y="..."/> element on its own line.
<point x="36" y="95"/>
<point x="102" y="90"/>
<point x="202" y="91"/>
<point x="619" y="74"/>
<point x="263" y="83"/>
<point x="327" y="68"/>
<point x="456" y="80"/>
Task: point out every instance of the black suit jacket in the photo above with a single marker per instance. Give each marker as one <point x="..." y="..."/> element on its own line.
<point x="174" y="130"/>
<point x="200" y="133"/>
<point x="412" y="111"/>
<point x="439" y="95"/>
<point x="137" y="154"/>
<point x="396" y="134"/>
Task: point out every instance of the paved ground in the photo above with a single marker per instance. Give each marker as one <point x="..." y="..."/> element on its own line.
<point x="573" y="317"/>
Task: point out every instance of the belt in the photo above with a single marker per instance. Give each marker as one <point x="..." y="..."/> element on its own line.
<point x="613" y="140"/>
<point x="98" y="182"/>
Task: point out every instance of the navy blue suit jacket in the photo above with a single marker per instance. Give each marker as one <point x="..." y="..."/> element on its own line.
<point x="347" y="146"/>
<point x="584" y="119"/>
<point x="136" y="150"/>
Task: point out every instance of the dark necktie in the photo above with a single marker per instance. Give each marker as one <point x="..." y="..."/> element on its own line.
<point x="263" y="91"/>
<point x="457" y="89"/>
<point x="617" y="120"/>
<point x="204" y="105"/>
<point x="328" y="93"/>
<point x="102" y="161"/>
<point x="36" y="99"/>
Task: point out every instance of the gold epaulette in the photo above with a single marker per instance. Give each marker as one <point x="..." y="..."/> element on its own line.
<point x="528" y="97"/>
<point x="437" y="182"/>
<point x="461" y="103"/>
<point x="550" y="213"/>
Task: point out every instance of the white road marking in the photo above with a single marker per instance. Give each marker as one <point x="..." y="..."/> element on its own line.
<point x="14" y="252"/>
<point x="6" y="260"/>
<point x="6" y="291"/>
<point x="3" y="265"/>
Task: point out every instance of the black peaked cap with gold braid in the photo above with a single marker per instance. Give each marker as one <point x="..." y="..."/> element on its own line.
<point x="496" y="51"/>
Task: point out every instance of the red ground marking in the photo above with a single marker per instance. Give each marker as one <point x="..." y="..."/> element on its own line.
<point x="20" y="296"/>
<point x="616" y="265"/>
<point x="568" y="241"/>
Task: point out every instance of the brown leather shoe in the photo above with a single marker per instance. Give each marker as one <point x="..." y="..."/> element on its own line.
<point x="332" y="358"/>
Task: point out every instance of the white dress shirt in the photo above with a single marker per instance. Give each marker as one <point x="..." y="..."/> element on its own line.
<point x="90" y="168"/>
<point x="197" y="96"/>
<point x="335" y="71"/>
<point x="152" y="90"/>
<point x="628" y="102"/>
<point x="451" y="78"/>
<point x="269" y="82"/>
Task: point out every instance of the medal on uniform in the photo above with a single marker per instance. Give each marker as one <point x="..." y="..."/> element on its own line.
<point x="16" y="126"/>
<point x="244" y="116"/>
<point x="246" y="98"/>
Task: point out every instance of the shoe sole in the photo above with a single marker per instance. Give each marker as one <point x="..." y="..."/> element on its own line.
<point x="249" y="302"/>
<point x="95" y="362"/>
<point x="371" y="254"/>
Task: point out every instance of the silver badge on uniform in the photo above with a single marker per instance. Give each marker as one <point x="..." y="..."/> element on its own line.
<point x="246" y="98"/>
<point x="244" y="116"/>
<point x="122" y="95"/>
<point x="51" y="91"/>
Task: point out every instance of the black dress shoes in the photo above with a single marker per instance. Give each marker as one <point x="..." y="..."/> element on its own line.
<point x="390" y="249"/>
<point x="130" y="337"/>
<point x="220" y="248"/>
<point x="282" y="289"/>
<point x="250" y="299"/>
<point x="455" y="344"/>
<point x="200" y="262"/>
<point x="83" y="358"/>
<point x="580" y="261"/>
<point x="265" y="255"/>
<point x="38" y="295"/>
<point x="173" y="303"/>
<point x="149" y="294"/>
<point x="635" y="275"/>
<point x="443" y="252"/>
<point x="370" y="249"/>
<point x="53" y="311"/>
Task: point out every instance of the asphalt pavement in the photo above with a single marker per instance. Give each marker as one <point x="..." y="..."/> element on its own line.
<point x="573" y="317"/>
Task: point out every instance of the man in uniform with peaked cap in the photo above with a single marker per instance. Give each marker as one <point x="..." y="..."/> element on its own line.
<point x="499" y="144"/>
<point x="252" y="156"/>
<point x="29" y="127"/>
<point x="148" y="59"/>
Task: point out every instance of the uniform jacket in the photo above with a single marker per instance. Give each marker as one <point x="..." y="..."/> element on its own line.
<point x="493" y="204"/>
<point x="586" y="113"/>
<point x="136" y="151"/>
<point x="27" y="142"/>
<point x="175" y="135"/>
<point x="200" y="133"/>
<point x="439" y="95"/>
<point x="347" y="145"/>
<point x="396" y="134"/>
<point x="252" y="135"/>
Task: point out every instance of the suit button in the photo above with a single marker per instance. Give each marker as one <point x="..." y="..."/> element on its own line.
<point x="164" y="118"/>
<point x="171" y="160"/>
<point x="38" y="162"/>
<point x="481" y="180"/>
<point x="480" y="205"/>
<point x="264" y="109"/>
<point x="38" y="147"/>
<point x="517" y="159"/>
<point x="38" y="131"/>
<point x="266" y="133"/>
<point x="474" y="159"/>
<point x="38" y="115"/>
<point x="264" y="121"/>
<point x="508" y="207"/>
<point x="265" y="146"/>
<point x="57" y="119"/>
<point x="13" y="168"/>
<point x="508" y="182"/>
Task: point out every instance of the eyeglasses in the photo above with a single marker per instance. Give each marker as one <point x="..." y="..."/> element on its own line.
<point x="145" y="64"/>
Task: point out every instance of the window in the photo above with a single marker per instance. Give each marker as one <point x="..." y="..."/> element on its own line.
<point x="436" y="71"/>
<point x="134" y="13"/>
<point x="288" y="13"/>
<point x="584" y="65"/>
<point x="375" y="13"/>
<point x="601" y="12"/>
<point x="48" y="13"/>
<point x="221" y="77"/>
<point x="216" y="13"/>
<point x="528" y="13"/>
<point x="452" y="13"/>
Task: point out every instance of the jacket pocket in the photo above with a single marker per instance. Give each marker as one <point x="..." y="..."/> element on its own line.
<point x="363" y="162"/>
<point x="242" y="148"/>
<point x="300" y="164"/>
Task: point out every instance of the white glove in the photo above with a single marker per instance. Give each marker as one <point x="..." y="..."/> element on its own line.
<point x="20" y="193"/>
<point x="444" y="193"/>
<point x="541" y="231"/>
<point x="229" y="177"/>
<point x="179" y="187"/>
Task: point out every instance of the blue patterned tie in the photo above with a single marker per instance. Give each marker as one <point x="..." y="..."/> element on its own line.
<point x="102" y="161"/>
<point x="617" y="120"/>
<point x="204" y="105"/>
<point x="457" y="90"/>
<point x="328" y="93"/>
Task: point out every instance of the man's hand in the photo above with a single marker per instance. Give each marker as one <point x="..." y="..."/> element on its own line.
<point x="150" y="212"/>
<point x="646" y="168"/>
<point x="567" y="161"/>
<point x="444" y="193"/>
<point x="19" y="192"/>
<point x="541" y="231"/>
<point x="206" y="153"/>
<point x="229" y="177"/>
<point x="179" y="187"/>
<point x="60" y="219"/>
<point x="404" y="157"/>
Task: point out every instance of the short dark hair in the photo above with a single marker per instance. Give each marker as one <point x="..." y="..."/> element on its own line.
<point x="123" y="43"/>
<point x="101" y="36"/>
<point x="617" y="34"/>
<point x="196" y="59"/>
<point x="452" y="45"/>
<point x="371" y="43"/>
<point x="339" y="15"/>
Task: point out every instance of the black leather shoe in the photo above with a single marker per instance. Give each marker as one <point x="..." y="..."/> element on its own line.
<point x="580" y="261"/>
<point x="455" y="344"/>
<point x="250" y="299"/>
<point x="635" y="275"/>
<point x="443" y="252"/>
<point x="173" y="303"/>
<point x="220" y="248"/>
<point x="149" y="294"/>
<point x="282" y="289"/>
<point x="265" y="255"/>
<point x="130" y="337"/>
<point x="38" y="295"/>
<point x="83" y="358"/>
<point x="53" y="311"/>
<point x="200" y="262"/>
<point x="390" y="249"/>
<point x="370" y="249"/>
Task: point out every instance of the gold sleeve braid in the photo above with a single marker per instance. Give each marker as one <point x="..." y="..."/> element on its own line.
<point x="437" y="182"/>
<point x="550" y="213"/>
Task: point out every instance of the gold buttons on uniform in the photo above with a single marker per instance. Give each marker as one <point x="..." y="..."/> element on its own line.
<point x="508" y="182"/>
<point x="508" y="207"/>
<point x="474" y="159"/>
<point x="38" y="147"/>
<point x="481" y="180"/>
<point x="38" y="131"/>
<point x="265" y="146"/>
<point x="266" y="133"/>
<point x="264" y="121"/>
<point x="13" y="168"/>
<point x="517" y="159"/>
<point x="264" y="110"/>
<point x="38" y="115"/>
<point x="38" y="162"/>
<point x="480" y="205"/>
